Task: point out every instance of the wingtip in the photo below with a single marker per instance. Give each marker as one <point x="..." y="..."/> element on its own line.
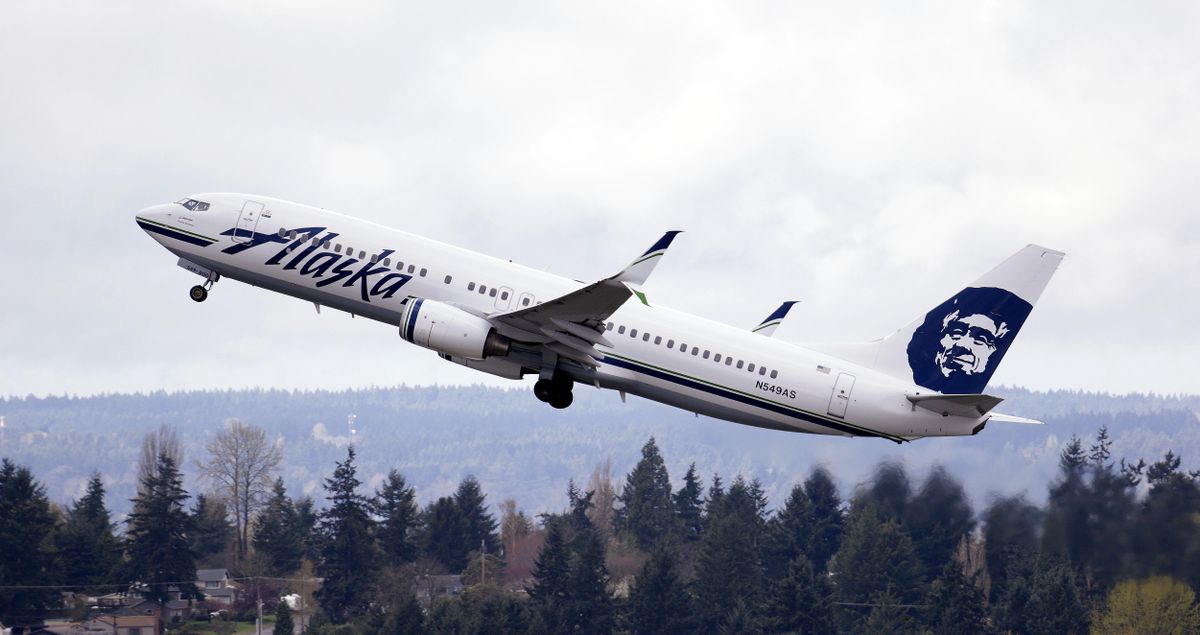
<point x="664" y="242"/>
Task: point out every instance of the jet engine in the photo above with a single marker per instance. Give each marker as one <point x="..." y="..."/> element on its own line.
<point x="450" y="330"/>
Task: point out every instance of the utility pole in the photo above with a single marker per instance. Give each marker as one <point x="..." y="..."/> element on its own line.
<point x="482" y="561"/>
<point x="258" y="595"/>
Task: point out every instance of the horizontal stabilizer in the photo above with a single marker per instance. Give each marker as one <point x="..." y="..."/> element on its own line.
<point x="1002" y="418"/>
<point x="973" y="406"/>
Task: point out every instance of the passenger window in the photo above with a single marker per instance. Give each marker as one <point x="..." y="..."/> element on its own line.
<point x="739" y="364"/>
<point x="448" y="279"/>
<point x="633" y="333"/>
<point x="645" y="337"/>
<point x="762" y="370"/>
<point x="491" y="293"/>
<point x="750" y="368"/>
<point x="337" y="249"/>
<point x="325" y="245"/>
<point x="621" y="329"/>
<point x="717" y="358"/>
<point x="424" y="271"/>
<point x="470" y="286"/>
<point x="728" y="361"/>
<point x="683" y="347"/>
<point x="282" y="233"/>
<point x="610" y="327"/>
<point x="399" y="266"/>
<point x="387" y="262"/>
<point x="670" y="343"/>
<point x="657" y="340"/>
<point x="412" y="268"/>
<point x="705" y="356"/>
<point x="695" y="350"/>
<point x="316" y="241"/>
<point x="774" y="374"/>
<point x="362" y="255"/>
<point x="504" y="296"/>
<point x="482" y="289"/>
<point x="374" y="258"/>
<point x="525" y="302"/>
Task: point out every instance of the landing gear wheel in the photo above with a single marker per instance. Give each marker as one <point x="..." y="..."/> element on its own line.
<point x="198" y="293"/>
<point x="543" y="390"/>
<point x="561" y="400"/>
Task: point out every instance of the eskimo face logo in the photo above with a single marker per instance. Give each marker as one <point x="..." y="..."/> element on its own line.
<point x="960" y="343"/>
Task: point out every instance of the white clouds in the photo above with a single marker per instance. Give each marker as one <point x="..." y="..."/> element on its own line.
<point x="868" y="158"/>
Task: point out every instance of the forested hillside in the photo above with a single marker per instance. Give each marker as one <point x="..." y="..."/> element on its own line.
<point x="520" y="449"/>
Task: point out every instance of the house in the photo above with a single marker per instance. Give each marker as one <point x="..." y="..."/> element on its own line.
<point x="216" y="586"/>
<point x="431" y="587"/>
<point x="143" y="618"/>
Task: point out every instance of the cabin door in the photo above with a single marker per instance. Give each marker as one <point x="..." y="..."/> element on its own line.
<point x="841" y="395"/>
<point x="247" y="222"/>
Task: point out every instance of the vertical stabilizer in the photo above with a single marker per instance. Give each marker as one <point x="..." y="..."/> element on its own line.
<point x="956" y="347"/>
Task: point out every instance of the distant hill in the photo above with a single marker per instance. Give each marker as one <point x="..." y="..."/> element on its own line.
<point x="520" y="448"/>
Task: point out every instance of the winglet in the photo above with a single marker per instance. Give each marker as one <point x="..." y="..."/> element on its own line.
<point x="637" y="272"/>
<point x="768" y="326"/>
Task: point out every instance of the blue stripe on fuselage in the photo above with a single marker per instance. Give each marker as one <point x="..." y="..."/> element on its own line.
<point x="746" y="399"/>
<point x="169" y="233"/>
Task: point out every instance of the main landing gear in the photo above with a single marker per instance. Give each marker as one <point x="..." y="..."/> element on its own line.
<point x="556" y="391"/>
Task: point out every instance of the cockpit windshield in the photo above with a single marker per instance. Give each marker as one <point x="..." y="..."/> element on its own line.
<point x="193" y="205"/>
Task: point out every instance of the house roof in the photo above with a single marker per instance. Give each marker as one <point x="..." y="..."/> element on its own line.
<point x="211" y="575"/>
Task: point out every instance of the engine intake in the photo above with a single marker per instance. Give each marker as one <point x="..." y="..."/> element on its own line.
<point x="450" y="330"/>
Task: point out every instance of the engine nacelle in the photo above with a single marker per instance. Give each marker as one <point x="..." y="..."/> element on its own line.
<point x="450" y="330"/>
<point x="493" y="366"/>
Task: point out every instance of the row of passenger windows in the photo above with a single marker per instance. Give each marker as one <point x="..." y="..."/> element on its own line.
<point x="526" y="300"/>
<point x="696" y="351"/>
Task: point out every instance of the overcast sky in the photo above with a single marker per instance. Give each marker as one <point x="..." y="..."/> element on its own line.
<point x="868" y="158"/>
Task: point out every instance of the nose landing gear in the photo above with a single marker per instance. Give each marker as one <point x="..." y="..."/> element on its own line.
<point x="199" y="293"/>
<point x="556" y="391"/>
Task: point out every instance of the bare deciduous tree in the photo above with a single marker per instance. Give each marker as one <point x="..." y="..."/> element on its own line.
<point x="604" y="496"/>
<point x="165" y="440"/>
<point x="240" y="464"/>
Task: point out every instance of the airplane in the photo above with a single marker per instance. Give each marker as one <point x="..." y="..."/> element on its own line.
<point x="926" y="379"/>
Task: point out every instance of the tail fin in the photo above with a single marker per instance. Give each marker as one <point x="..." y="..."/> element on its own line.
<point x="955" y="347"/>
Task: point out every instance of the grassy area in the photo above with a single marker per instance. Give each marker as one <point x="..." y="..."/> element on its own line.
<point x="218" y="627"/>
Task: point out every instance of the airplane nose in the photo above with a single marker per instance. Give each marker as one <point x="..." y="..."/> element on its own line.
<point x="156" y="213"/>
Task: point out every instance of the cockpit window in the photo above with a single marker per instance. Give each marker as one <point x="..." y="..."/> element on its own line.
<point x="193" y="205"/>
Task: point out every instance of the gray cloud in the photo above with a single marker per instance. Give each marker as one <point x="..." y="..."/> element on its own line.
<point x="869" y="160"/>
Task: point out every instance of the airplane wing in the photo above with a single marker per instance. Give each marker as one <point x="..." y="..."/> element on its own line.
<point x="572" y="324"/>
<point x="767" y="327"/>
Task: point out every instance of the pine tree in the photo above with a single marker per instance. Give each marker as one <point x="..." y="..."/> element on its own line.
<point x="888" y="616"/>
<point x="277" y="543"/>
<point x="551" y="570"/>
<point x="395" y="503"/>
<point x="937" y="518"/>
<point x="349" y="562"/>
<point x="445" y="534"/>
<point x="875" y="556"/>
<point x="87" y="547"/>
<point x="802" y="601"/>
<point x="27" y="556"/>
<point x="283" y="619"/>
<point x="1065" y="530"/>
<point x="158" y="549"/>
<point x="1055" y="604"/>
<point x="212" y="533"/>
<point x="729" y="571"/>
<point x="955" y="605"/>
<point x="1010" y="528"/>
<point x="479" y="526"/>
<point x="589" y="607"/>
<point x="659" y="602"/>
<point x="828" y="518"/>
<point x="308" y="528"/>
<point x="689" y="506"/>
<point x="648" y="513"/>
<point x="789" y="533"/>
<point x="1168" y="541"/>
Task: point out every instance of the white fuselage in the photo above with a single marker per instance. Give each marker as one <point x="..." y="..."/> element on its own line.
<point x="758" y="380"/>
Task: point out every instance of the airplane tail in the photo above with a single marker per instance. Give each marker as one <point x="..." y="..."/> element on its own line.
<point x="956" y="346"/>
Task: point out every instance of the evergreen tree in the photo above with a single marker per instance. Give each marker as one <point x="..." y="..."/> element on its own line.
<point x="589" y="607"/>
<point x="689" y="506"/>
<point x="1010" y="612"/>
<point x="277" y="543"/>
<point x="158" y="549"/>
<point x="887" y="615"/>
<point x="349" y="560"/>
<point x="479" y="526"/>
<point x="802" y="602"/>
<point x="445" y="534"/>
<point x="551" y="571"/>
<point x="283" y="619"/>
<point x="648" y="512"/>
<point x="308" y="528"/>
<point x="729" y="572"/>
<point x="659" y="602"/>
<point x="1055" y="604"/>
<point x="955" y="605"/>
<point x="87" y="547"/>
<point x="875" y="556"/>
<point x="395" y="503"/>
<point x="789" y="533"/>
<point x="828" y="518"/>
<point x="1010" y="528"/>
<point x="212" y="533"/>
<point x="1065" y="530"/>
<point x="1168" y="541"/>
<point x="937" y="518"/>
<point x="27" y="555"/>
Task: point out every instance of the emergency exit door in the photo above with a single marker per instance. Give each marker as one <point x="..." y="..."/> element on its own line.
<point x="841" y="395"/>
<point x="247" y="222"/>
